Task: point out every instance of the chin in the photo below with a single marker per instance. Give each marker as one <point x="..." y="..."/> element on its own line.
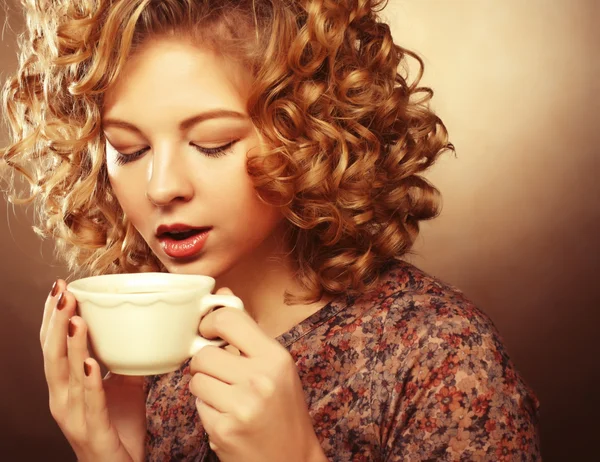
<point x="196" y="265"/>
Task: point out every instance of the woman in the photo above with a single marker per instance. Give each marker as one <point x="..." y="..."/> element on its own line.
<point x="274" y="146"/>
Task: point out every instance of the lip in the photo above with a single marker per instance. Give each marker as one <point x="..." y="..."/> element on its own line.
<point x="177" y="227"/>
<point x="184" y="248"/>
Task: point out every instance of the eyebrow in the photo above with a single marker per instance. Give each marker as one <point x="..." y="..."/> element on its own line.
<point x="184" y="124"/>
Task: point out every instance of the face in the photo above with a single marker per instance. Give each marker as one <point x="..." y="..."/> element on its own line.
<point x="178" y="136"/>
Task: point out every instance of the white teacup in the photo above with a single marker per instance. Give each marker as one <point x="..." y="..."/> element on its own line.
<point x="147" y="323"/>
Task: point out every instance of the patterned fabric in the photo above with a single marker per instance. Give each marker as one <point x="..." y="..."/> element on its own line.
<point x="410" y="372"/>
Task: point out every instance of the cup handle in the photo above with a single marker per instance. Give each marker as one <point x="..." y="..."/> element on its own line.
<point x="208" y="303"/>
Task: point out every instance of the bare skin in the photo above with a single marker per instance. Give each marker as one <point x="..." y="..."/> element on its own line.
<point x="253" y="408"/>
<point x="160" y="174"/>
<point x="250" y="399"/>
<point x="102" y="418"/>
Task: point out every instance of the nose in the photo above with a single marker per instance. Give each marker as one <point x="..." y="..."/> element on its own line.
<point x="168" y="178"/>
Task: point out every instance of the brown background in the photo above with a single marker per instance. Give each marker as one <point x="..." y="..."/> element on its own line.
<point x="517" y="84"/>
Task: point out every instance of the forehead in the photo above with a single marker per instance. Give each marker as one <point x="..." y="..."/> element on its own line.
<point x="168" y="72"/>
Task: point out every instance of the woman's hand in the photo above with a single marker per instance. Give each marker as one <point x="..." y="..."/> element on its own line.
<point x="251" y="405"/>
<point x="103" y="420"/>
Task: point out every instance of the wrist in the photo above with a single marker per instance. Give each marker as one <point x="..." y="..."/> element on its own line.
<point x="315" y="452"/>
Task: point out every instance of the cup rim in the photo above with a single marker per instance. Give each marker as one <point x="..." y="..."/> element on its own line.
<point x="78" y="286"/>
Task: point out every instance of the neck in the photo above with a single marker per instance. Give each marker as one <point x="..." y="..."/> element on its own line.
<point x="261" y="280"/>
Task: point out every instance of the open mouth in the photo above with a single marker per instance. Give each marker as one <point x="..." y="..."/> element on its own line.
<point x="179" y="232"/>
<point x="181" y="235"/>
<point x="184" y="243"/>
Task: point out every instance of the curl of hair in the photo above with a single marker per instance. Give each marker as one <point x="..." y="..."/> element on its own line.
<point x="347" y="137"/>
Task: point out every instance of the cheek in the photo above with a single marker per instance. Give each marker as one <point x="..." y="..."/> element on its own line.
<point x="239" y="192"/>
<point x="127" y="194"/>
<point x="260" y="217"/>
<point x="124" y="185"/>
<point x="243" y="207"/>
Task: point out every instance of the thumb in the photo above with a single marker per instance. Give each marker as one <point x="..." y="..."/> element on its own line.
<point x="224" y="291"/>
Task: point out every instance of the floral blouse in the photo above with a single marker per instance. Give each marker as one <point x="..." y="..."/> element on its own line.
<point x="412" y="371"/>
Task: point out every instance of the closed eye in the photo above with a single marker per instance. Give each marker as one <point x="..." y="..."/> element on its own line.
<point x="123" y="159"/>
<point x="219" y="151"/>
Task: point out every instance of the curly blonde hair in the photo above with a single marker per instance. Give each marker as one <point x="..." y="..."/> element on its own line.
<point x="348" y="136"/>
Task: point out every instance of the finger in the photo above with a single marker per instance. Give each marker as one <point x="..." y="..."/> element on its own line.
<point x="57" y="288"/>
<point x="220" y="364"/>
<point x="218" y="395"/>
<point x="238" y="329"/>
<point x="231" y="349"/>
<point x="221" y="291"/>
<point x="209" y="417"/>
<point x="224" y="291"/>
<point x="56" y="366"/>
<point x="77" y="353"/>
<point x="97" y="418"/>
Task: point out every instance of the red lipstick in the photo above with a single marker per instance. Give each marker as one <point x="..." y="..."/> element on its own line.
<point x="180" y="241"/>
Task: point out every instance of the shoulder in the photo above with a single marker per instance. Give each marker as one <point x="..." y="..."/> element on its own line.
<point x="408" y="299"/>
<point x="444" y="360"/>
<point x="426" y="319"/>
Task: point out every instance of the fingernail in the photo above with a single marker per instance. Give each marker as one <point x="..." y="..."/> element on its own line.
<point x="87" y="369"/>
<point x="71" y="328"/>
<point x="54" y="290"/>
<point x="60" y="304"/>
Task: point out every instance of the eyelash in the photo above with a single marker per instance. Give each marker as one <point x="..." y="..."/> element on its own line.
<point x="219" y="151"/>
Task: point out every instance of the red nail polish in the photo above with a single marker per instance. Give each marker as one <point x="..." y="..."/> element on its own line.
<point x="87" y="369"/>
<point x="71" y="328"/>
<point x="60" y="304"/>
<point x="54" y="290"/>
